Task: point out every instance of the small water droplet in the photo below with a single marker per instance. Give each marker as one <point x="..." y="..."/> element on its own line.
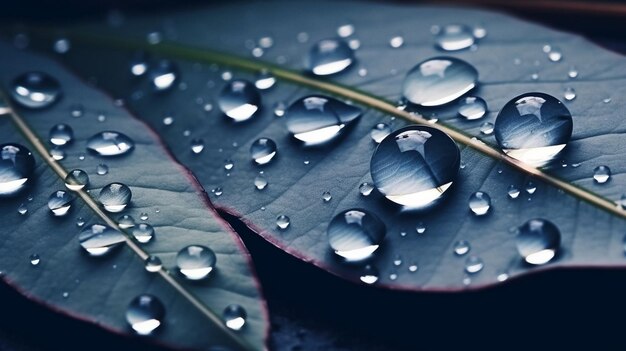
<point x="76" y="179"/>
<point x="102" y="169"/>
<point x="195" y="262"/>
<point x="34" y="259"/>
<point x="35" y="90"/>
<point x="601" y="174"/>
<point x="126" y="221"/>
<point x="413" y="268"/>
<point x="354" y="44"/>
<point x="365" y="189"/>
<point x="326" y="196"/>
<point x="486" y="128"/>
<point x="461" y="247"/>
<point x="279" y="109"/>
<point x="555" y="54"/>
<point x="100" y="239"/>
<point x="65" y="294"/>
<point x="22" y="209"/>
<point x="61" y="134"/>
<point x="472" y="108"/>
<point x="569" y="94"/>
<point x="606" y="100"/>
<point x="479" y="203"/>
<point x="329" y="56"/>
<point x="302" y="37"/>
<point x="139" y="64"/>
<point x="264" y="80"/>
<point x="439" y="80"/>
<point x="239" y="100"/>
<point x="345" y="30"/>
<point x="260" y="182"/>
<point x="143" y="216"/>
<point x="197" y="145"/>
<point x="282" y="222"/>
<point x="163" y="75"/>
<point x="263" y="150"/>
<point x="397" y="261"/>
<point x="153" y="264"/>
<point x="61" y="46"/>
<point x="538" y="241"/>
<point x="154" y="38"/>
<point x="218" y="191"/>
<point x="228" y="165"/>
<point x="16" y="168"/>
<point x="425" y="162"/>
<point x="266" y="42"/>
<point x="234" y="317"/>
<point x="572" y="73"/>
<point x="168" y="120"/>
<point x="479" y="31"/>
<point x="143" y="233"/>
<point x="114" y="197"/>
<point x="396" y="41"/>
<point x="369" y="275"/>
<point x="502" y="277"/>
<point x="110" y="143"/>
<point x="454" y="37"/>
<point x="380" y="132"/>
<point x="77" y="110"/>
<point x="145" y="313"/>
<point x="513" y="191"/>
<point x="530" y="187"/>
<point x="355" y="234"/>
<point x="474" y="264"/>
<point x="60" y="202"/>
<point x="57" y="154"/>
<point x="420" y="228"/>
<point x="80" y="221"/>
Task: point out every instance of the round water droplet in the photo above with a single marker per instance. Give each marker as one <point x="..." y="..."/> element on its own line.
<point x="530" y="187"/>
<point x="279" y="109"/>
<point x="76" y="179"/>
<point x="139" y="64"/>
<point x="479" y="31"/>
<point x="260" y="182"/>
<point x="80" y="221"/>
<point x="263" y="150"/>
<point x="538" y="241"/>
<point x="195" y="262"/>
<point x="126" y="221"/>
<point x="461" y="247"/>
<point x="197" y="145"/>
<point x="239" y="100"/>
<point x="439" y="80"/>
<point x="100" y="239"/>
<point x="365" y="189"/>
<point x="454" y="37"/>
<point x="143" y="233"/>
<point x="145" y="313"/>
<point x="329" y="56"/>
<point x="60" y="202"/>
<point x="143" y="216"/>
<point x="34" y="259"/>
<point x="326" y="196"/>
<point x="102" y="169"/>
<point x="57" y="154"/>
<point x="35" y="90"/>
<point x="479" y="203"/>
<point x="115" y="197"/>
<point x="355" y="234"/>
<point x="153" y="264"/>
<point x="413" y="268"/>
<point x="513" y="191"/>
<point x="369" y="275"/>
<point x="163" y="75"/>
<point x="22" y="209"/>
<point x="472" y="108"/>
<point x="380" y="132"/>
<point x="264" y="80"/>
<point x="569" y="94"/>
<point x="420" y="228"/>
<point x="572" y="73"/>
<point x="61" y="134"/>
<point x="234" y="317"/>
<point x="345" y="30"/>
<point x="474" y="264"/>
<point x="502" y="276"/>
<point x="282" y="222"/>
<point x="601" y="174"/>
<point x="415" y="165"/>
<point x="533" y="128"/>
<point x="77" y="110"/>
<point x="16" y="168"/>
<point x="486" y="128"/>
<point x="228" y="165"/>
<point x="110" y="143"/>
<point x="554" y="54"/>
<point x="218" y="191"/>
<point x="396" y="41"/>
<point x="317" y="119"/>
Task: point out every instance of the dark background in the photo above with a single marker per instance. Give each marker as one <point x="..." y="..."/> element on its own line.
<point x="313" y="310"/>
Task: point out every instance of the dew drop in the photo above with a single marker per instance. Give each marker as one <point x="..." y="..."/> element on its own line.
<point x="102" y="169"/>
<point x="143" y="216"/>
<point x="228" y="164"/>
<point x="355" y="234"/>
<point x="34" y="259"/>
<point x="279" y="109"/>
<point x="168" y="120"/>
<point x="115" y="197"/>
<point x="413" y="268"/>
<point x="139" y="65"/>
<point x="239" y="100"/>
<point x="454" y="37"/>
<point x="369" y="275"/>
<point x="538" y="241"/>
<point x="326" y="196"/>
<point x="100" y="239"/>
<point x="474" y="264"/>
<point x="153" y="264"/>
<point x="420" y="228"/>
<point x="601" y="174"/>
<point x="126" y="221"/>
<point x="145" y="313"/>
<point x="264" y="80"/>
<point x="263" y="150"/>
<point x="513" y="191"/>
<point x="154" y="38"/>
<point x="282" y="222"/>
<point x="365" y="189"/>
<point x="61" y="134"/>
<point x="555" y="54"/>
<point x="163" y="75"/>
<point x="35" y="90"/>
<point x="234" y="317"/>
<point x="329" y="56"/>
<point x="569" y="94"/>
<point x="397" y="261"/>
<point x="110" y="143"/>
<point x="80" y="221"/>
<point x="396" y="41"/>
<point x="197" y="145"/>
<point x="530" y="187"/>
<point x="218" y="191"/>
<point x="380" y="132"/>
<point x="461" y="247"/>
<point x="572" y="73"/>
<point x="260" y="182"/>
<point x="77" y="110"/>
<point x="479" y="31"/>
<point x="195" y="262"/>
<point x="345" y="30"/>
<point x="60" y="202"/>
<point x="472" y="108"/>
<point x="22" y="209"/>
<point x="57" y="154"/>
<point x="502" y="277"/>
<point x="480" y="203"/>
<point x="76" y="179"/>
<point x="16" y="168"/>
<point x="486" y="128"/>
<point x="143" y="233"/>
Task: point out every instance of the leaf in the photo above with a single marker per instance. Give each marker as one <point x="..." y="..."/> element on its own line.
<point x="591" y="234"/>
<point x="99" y="289"/>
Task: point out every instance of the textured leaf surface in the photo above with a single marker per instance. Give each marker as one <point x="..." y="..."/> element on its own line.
<point x="98" y="289"/>
<point x="590" y="236"/>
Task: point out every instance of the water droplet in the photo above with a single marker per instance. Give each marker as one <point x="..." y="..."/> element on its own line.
<point x="154" y="38"/>
<point x="569" y="94"/>
<point x="76" y="179"/>
<point x="420" y="228"/>
<point x="282" y="222"/>
<point x="369" y="275"/>
<point x="326" y="196"/>
<point x="126" y="221"/>
<point x="279" y="109"/>
<point x="555" y="54"/>
<point x="102" y="169"/>
<point x="397" y="261"/>
<point x="606" y="100"/>
<point x="486" y="128"/>
<point x="115" y="197"/>
<point x="163" y="75"/>
<point x="263" y="150"/>
<point x="438" y="81"/>
<point x="195" y="262"/>
<point x="538" y="241"/>
<point x="228" y="165"/>
<point x="396" y="41"/>
<point x="461" y="247"/>
<point x="354" y="44"/>
<point x="264" y="80"/>
<point x="415" y="165"/>
<point x="530" y="187"/>
<point x="533" y="128"/>
<point x="260" y="182"/>
<point x="34" y="259"/>
<point x="601" y="174"/>
<point x="413" y="268"/>
<point x="234" y="317"/>
<point x="22" y="209"/>
<point x="365" y="189"/>
<point x="145" y="313"/>
<point x="479" y="31"/>
<point x="379" y="132"/>
<point x="143" y="216"/>
<point x="317" y="119"/>
<point x="479" y="203"/>
<point x="472" y="108"/>
<point x="35" y="90"/>
<point x="16" y="168"/>
<point x="153" y="264"/>
<point x="329" y="56"/>
<point x="345" y="30"/>
<point x="355" y="234"/>
<point x="61" y="134"/>
<point x="197" y="145"/>
<point x="100" y="239"/>
<point x="80" y="221"/>
<point x="143" y="233"/>
<point x="502" y="277"/>
<point x="57" y="154"/>
<point x="513" y="191"/>
<point x="110" y="143"/>
<point x="474" y="264"/>
<point x="61" y="46"/>
<point x="239" y="100"/>
<point x="60" y="202"/>
<point x="218" y="191"/>
<point x="139" y="64"/>
<point x="454" y="37"/>
<point x="393" y="276"/>
<point x="65" y="294"/>
<point x="572" y="73"/>
<point x="168" y="120"/>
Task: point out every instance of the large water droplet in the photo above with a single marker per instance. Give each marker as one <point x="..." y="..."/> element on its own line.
<point x="35" y="90"/>
<point x="355" y="234"/>
<point x="415" y="165"/>
<point x="454" y="37"/>
<point x="472" y="108"/>
<point x="163" y="75"/>
<point x="282" y="222"/>
<point x="317" y="119"/>
<point x="601" y="174"/>
<point x="474" y="264"/>
<point x="329" y="56"/>
<point x="239" y="100"/>
<point x="439" y="80"/>
<point x="263" y="150"/>
<point x="538" y="241"/>
<point x="380" y="132"/>
<point x="195" y="262"/>
<point x="61" y="134"/>
<point x="16" y="168"/>
<point x="533" y="128"/>
<point x="100" y="239"/>
<point x="76" y="179"/>
<point x="115" y="197"/>
<point x="145" y="313"/>
<point x="234" y="317"/>
<point x="461" y="247"/>
<point x="153" y="264"/>
<point x="60" y="202"/>
<point x="110" y="143"/>
<point x="479" y="203"/>
<point x="143" y="233"/>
